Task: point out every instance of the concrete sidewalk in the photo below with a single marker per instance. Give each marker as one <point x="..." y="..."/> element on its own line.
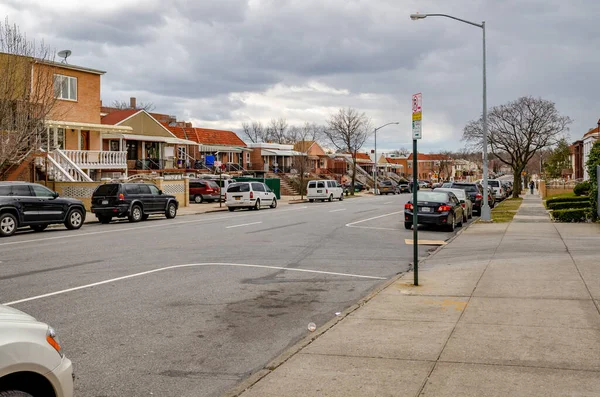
<point x="503" y="310"/>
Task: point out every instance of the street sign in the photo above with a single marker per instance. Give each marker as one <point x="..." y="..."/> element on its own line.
<point x="217" y="164"/>
<point x="417" y="116"/>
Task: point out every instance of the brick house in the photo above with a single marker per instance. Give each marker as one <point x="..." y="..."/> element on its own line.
<point x="432" y="167"/>
<point x="398" y="165"/>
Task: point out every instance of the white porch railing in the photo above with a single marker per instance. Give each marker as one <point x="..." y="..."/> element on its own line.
<point x="60" y="168"/>
<point x="95" y="159"/>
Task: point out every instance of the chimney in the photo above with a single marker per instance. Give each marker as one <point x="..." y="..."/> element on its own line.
<point x="188" y="125"/>
<point x="132" y="103"/>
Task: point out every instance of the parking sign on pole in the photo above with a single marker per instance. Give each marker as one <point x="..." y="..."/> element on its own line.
<point x="417" y="116"/>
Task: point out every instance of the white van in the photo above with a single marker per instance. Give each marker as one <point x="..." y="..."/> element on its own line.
<point x="324" y="190"/>
<point x="251" y="195"/>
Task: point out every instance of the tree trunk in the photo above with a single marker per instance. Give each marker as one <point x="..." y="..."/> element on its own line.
<point x="517" y="182"/>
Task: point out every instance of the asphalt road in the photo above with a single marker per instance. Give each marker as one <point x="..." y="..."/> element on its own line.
<point x="171" y="307"/>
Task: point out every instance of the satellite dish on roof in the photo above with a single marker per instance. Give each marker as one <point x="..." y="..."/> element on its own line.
<point x="64" y="54"/>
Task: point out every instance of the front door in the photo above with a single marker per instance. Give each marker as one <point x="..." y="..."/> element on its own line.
<point x="84" y="140"/>
<point x="51" y="209"/>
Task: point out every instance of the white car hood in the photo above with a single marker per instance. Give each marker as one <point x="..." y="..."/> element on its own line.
<point x="10" y="314"/>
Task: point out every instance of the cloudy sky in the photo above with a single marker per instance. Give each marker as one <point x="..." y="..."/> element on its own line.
<point x="219" y="63"/>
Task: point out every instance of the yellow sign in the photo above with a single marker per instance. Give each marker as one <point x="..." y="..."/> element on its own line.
<point x="416" y="116"/>
<point x="523" y="173"/>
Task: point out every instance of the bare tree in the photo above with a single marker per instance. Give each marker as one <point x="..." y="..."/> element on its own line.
<point x="277" y="130"/>
<point x="444" y="164"/>
<point x="347" y="131"/>
<point x="27" y="95"/>
<point x="122" y="105"/>
<point x="255" y="132"/>
<point x="402" y="152"/>
<point x="517" y="131"/>
<point x="301" y="163"/>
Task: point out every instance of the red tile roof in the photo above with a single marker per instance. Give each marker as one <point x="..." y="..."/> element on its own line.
<point x="429" y="157"/>
<point x="207" y="136"/>
<point x="363" y="156"/>
<point x="395" y="160"/>
<point x="118" y="116"/>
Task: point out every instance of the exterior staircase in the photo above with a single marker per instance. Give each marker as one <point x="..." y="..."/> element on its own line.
<point x="60" y="167"/>
<point x="286" y="187"/>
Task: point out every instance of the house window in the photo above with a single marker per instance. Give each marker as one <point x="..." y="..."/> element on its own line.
<point x="230" y="157"/>
<point x="65" y="87"/>
<point x="181" y="152"/>
<point x="247" y="158"/>
<point x="55" y="139"/>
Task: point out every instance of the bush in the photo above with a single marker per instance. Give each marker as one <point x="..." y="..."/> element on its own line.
<point x="569" y="204"/>
<point x="572" y="215"/>
<point x="583" y="188"/>
<point x="552" y="201"/>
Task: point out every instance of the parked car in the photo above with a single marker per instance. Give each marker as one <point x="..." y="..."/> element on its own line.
<point x="32" y="362"/>
<point x="507" y="188"/>
<point x="462" y="196"/>
<point x="251" y="195"/>
<point x="425" y="184"/>
<point x="446" y="184"/>
<point x="437" y="184"/>
<point x="203" y="190"/>
<point x="135" y="201"/>
<point x="387" y="187"/>
<point x="475" y="193"/>
<point x="411" y="184"/>
<point x="404" y="188"/>
<point x="435" y="208"/>
<point x="32" y="205"/>
<point x="324" y="190"/>
<point x="497" y="189"/>
<point x="358" y="187"/>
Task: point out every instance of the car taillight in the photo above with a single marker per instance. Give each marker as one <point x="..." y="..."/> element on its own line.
<point x="478" y="196"/>
<point x="121" y="196"/>
<point x="408" y="206"/>
<point x="225" y="196"/>
<point x="251" y="195"/>
<point x="326" y="190"/>
<point x="444" y="208"/>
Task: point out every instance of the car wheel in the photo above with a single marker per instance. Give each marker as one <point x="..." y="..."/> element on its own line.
<point x="459" y="224"/>
<point x="231" y="209"/>
<point x="104" y="219"/>
<point x="38" y="228"/>
<point x="8" y="225"/>
<point x="257" y="205"/>
<point x="330" y="199"/>
<point x="198" y="199"/>
<point x="74" y="219"/>
<point x="465" y="218"/>
<point x="171" y="211"/>
<point x="136" y="214"/>
<point x="342" y="197"/>
<point x="407" y="225"/>
<point x="451" y="224"/>
<point x="14" y="393"/>
<point x="274" y="203"/>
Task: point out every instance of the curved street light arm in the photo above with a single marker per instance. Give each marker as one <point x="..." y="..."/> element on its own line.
<point x="479" y="25"/>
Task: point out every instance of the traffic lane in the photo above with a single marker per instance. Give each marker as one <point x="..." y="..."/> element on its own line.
<point x="58" y="266"/>
<point x="189" y="332"/>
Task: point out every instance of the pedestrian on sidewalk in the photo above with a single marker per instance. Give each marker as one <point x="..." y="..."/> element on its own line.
<point x="531" y="186"/>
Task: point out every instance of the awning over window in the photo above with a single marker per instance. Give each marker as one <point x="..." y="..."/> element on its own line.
<point x="150" y="138"/>
<point x="72" y="125"/>
<point x="283" y="153"/>
<point x="222" y="148"/>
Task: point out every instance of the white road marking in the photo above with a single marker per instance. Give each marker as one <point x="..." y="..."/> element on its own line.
<point x="388" y="202"/>
<point x="376" y="228"/>
<point x="351" y="224"/>
<point x="341" y="209"/>
<point x="112" y="280"/>
<point x="161" y="224"/>
<point x="243" y="224"/>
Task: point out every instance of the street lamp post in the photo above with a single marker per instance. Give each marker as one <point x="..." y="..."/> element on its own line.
<point x="375" y="156"/>
<point x="485" y="210"/>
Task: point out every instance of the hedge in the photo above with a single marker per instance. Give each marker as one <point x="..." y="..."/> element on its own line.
<point x="572" y="215"/>
<point x="570" y="204"/>
<point x="566" y="200"/>
<point x="583" y="188"/>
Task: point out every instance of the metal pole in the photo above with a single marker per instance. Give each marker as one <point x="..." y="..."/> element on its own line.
<point x="220" y="188"/>
<point x="485" y="210"/>
<point x="415" y="219"/>
<point x="375" y="167"/>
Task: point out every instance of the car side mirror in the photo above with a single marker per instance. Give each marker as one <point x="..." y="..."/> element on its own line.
<point x="55" y="195"/>
<point x="160" y="192"/>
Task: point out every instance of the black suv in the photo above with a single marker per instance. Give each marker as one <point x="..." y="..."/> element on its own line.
<point x="135" y="201"/>
<point x="475" y="193"/>
<point x="29" y="204"/>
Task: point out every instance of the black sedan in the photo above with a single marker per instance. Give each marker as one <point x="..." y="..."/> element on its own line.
<point x="435" y="208"/>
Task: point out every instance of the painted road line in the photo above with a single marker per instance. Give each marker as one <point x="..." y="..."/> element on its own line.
<point x="341" y="209"/>
<point x="125" y="229"/>
<point x="388" y="202"/>
<point x="243" y="224"/>
<point x="112" y="280"/>
<point x="351" y="224"/>
<point x="375" y="228"/>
